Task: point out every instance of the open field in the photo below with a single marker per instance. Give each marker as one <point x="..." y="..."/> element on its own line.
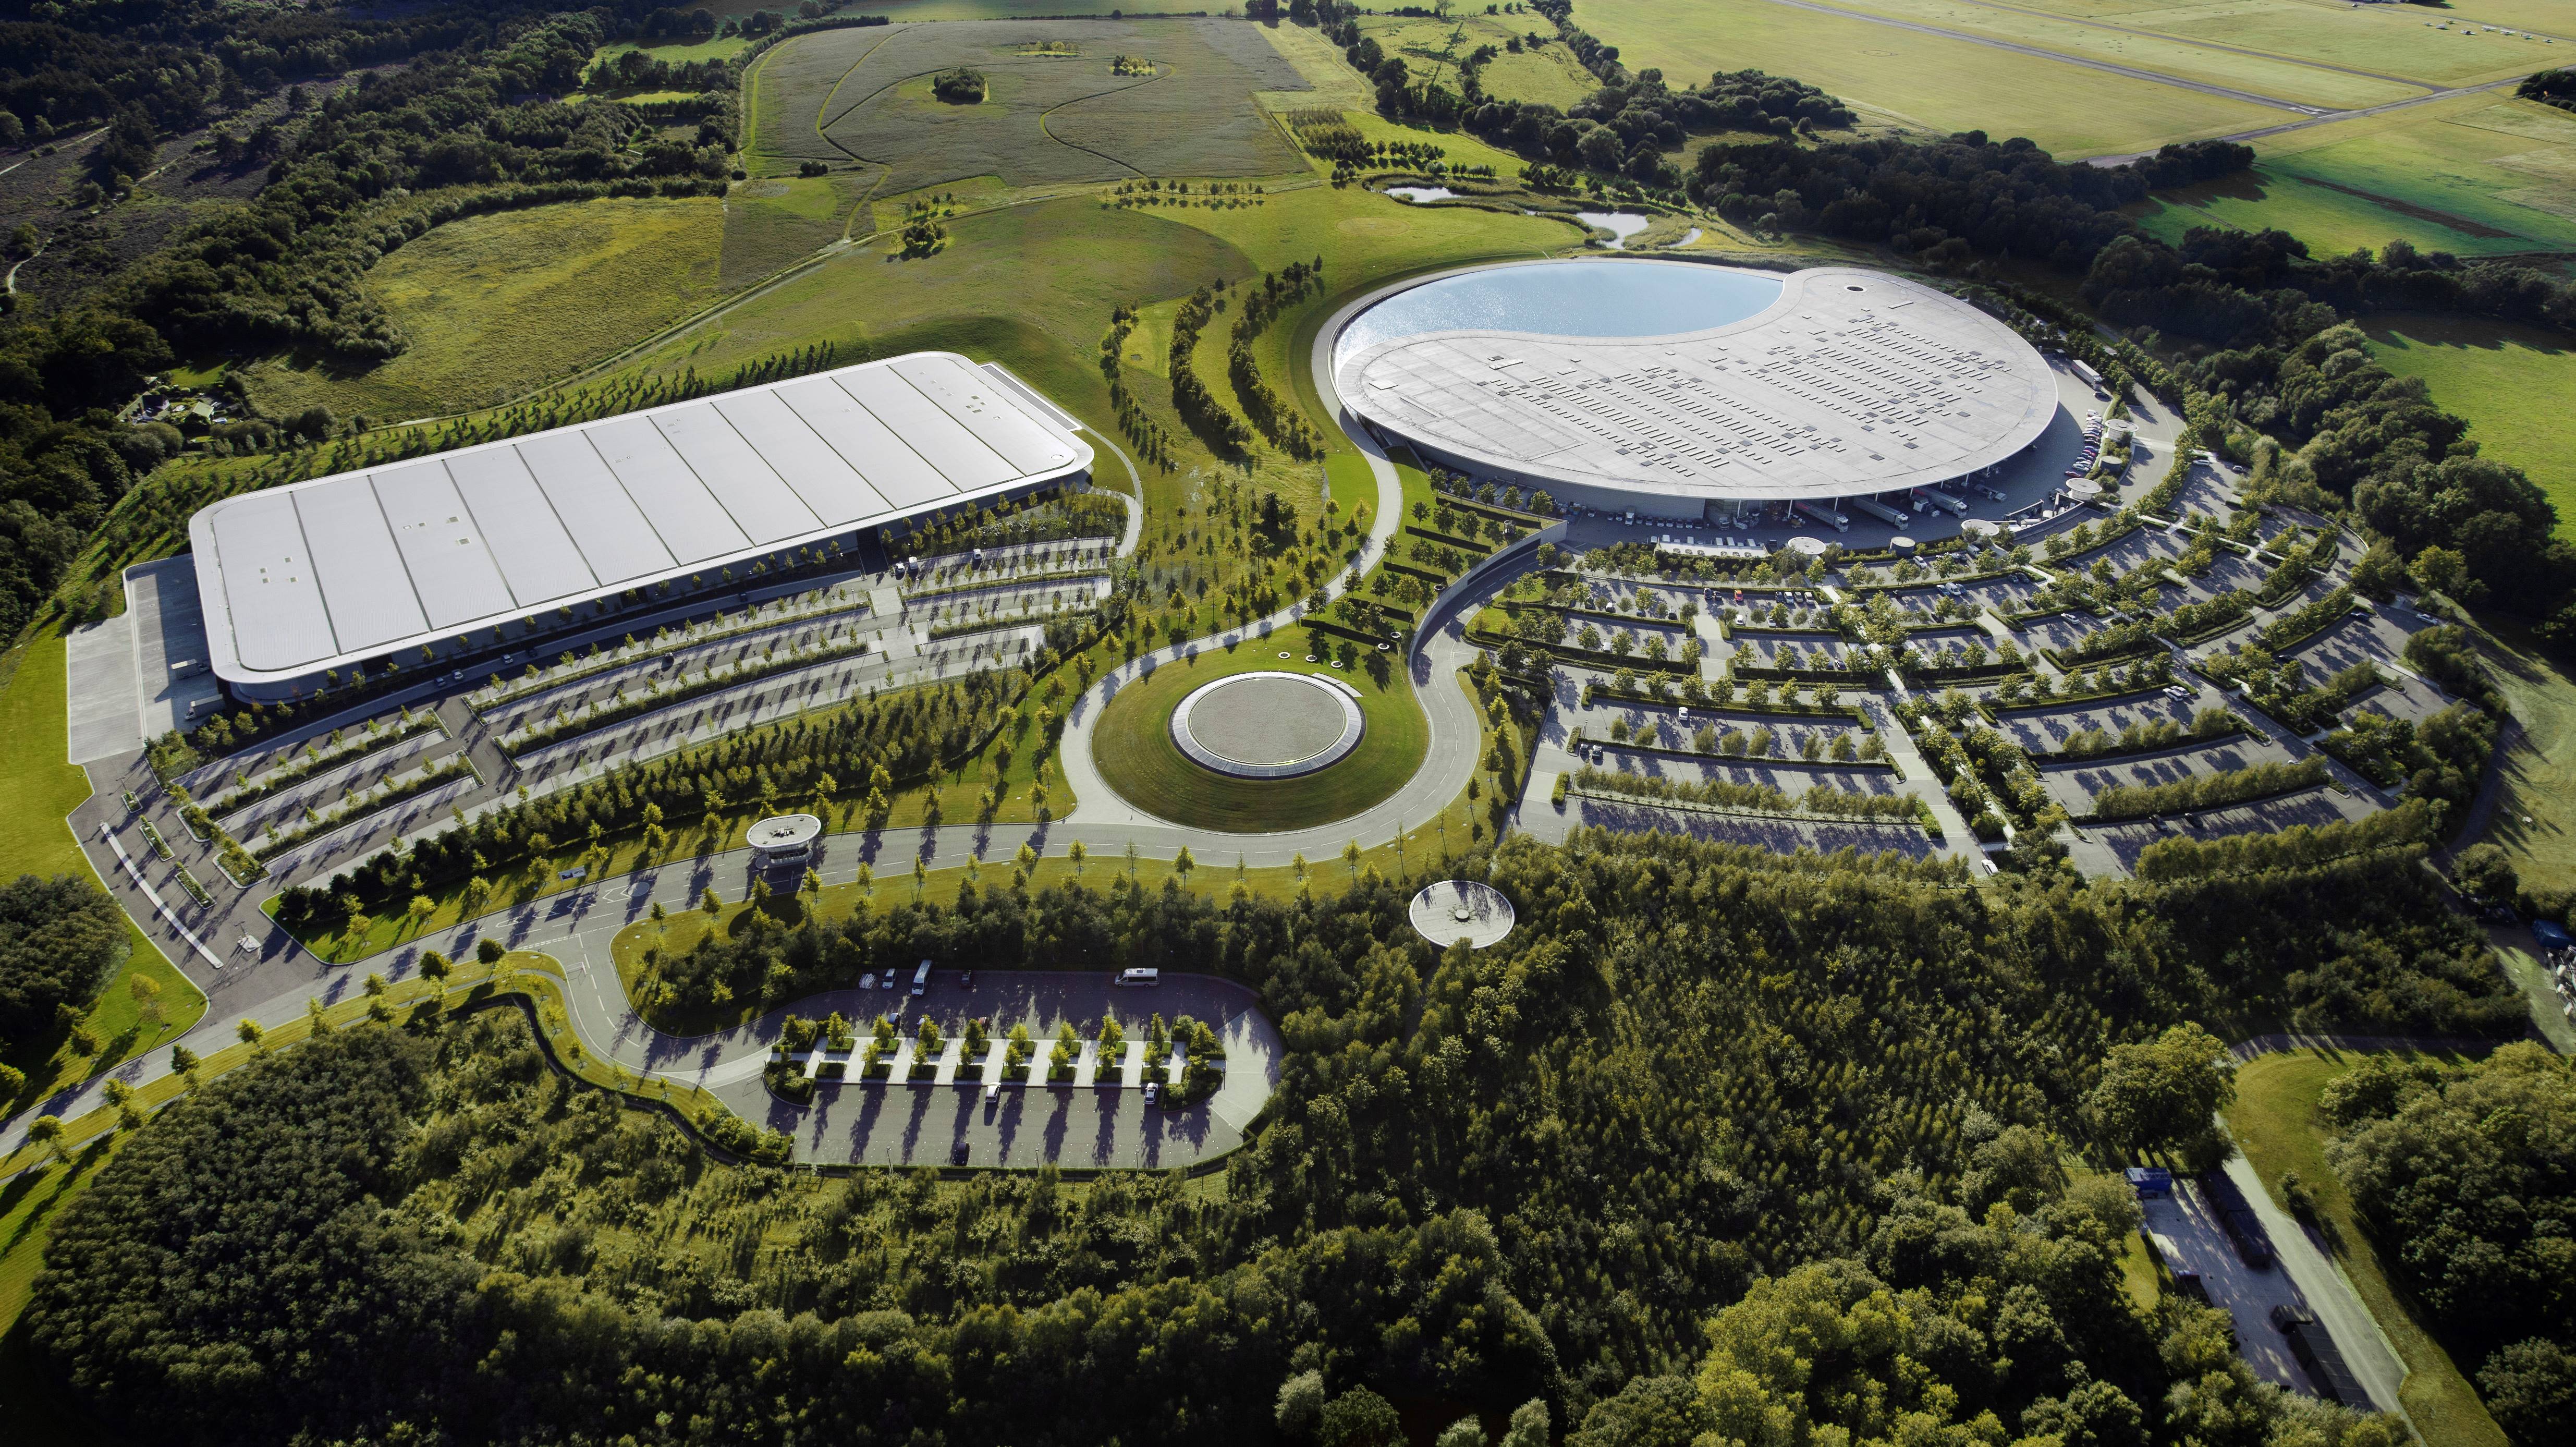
<point x="1932" y="82"/>
<point x="2383" y="41"/>
<point x="864" y="95"/>
<point x="497" y="304"/>
<point x="2476" y="176"/>
<point x="2160" y="45"/>
<point x="1546" y="73"/>
<point x="2539" y="777"/>
<point x="2511" y="383"/>
<point x="775" y="221"/>
<point x="672" y="53"/>
<point x="2275" y="1123"/>
<point x="41" y="789"/>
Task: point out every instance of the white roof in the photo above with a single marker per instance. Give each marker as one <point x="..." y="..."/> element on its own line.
<point x="1852" y="382"/>
<point x="341" y="569"/>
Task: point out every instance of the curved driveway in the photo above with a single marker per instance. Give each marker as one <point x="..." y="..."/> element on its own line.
<point x="278" y="977"/>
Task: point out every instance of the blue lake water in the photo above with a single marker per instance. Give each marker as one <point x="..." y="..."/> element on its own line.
<point x="1566" y="298"/>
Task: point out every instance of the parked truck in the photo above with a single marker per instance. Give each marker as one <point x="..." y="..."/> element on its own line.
<point x="2244" y="1228"/>
<point x="1937" y="498"/>
<point x="1825" y="515"/>
<point x="1894" y="517"/>
<point x="2317" y="1353"/>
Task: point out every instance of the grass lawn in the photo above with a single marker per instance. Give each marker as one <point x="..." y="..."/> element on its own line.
<point x="2511" y="383"/>
<point x="1133" y="746"/>
<point x="2275" y="1123"/>
<point x="34" y="840"/>
<point x="495" y="305"/>
<point x="2536" y="814"/>
<point x="1927" y="81"/>
<point x="2473" y="176"/>
<point x="673" y="52"/>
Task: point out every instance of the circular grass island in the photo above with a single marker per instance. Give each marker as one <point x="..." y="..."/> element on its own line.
<point x="1272" y="742"/>
<point x="1268" y="724"/>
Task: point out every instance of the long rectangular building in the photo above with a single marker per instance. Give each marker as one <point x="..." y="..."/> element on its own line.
<point x="321" y="577"/>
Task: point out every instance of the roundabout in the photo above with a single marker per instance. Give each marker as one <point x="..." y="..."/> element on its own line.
<point x="1249" y="743"/>
<point x="1268" y="725"/>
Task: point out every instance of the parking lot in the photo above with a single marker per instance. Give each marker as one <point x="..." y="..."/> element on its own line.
<point x="1781" y="836"/>
<point x="2045" y="730"/>
<point x="1104" y="1125"/>
<point x="2123" y="843"/>
<point x="2075" y="784"/>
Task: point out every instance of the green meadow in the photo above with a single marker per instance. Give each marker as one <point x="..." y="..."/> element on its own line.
<point x="499" y="304"/>
<point x="2474" y="177"/>
<point x="2513" y="384"/>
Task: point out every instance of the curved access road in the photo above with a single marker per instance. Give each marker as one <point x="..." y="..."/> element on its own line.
<point x="269" y="978"/>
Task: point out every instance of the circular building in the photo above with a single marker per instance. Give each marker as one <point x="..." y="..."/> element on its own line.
<point x="1268" y="725"/>
<point x="783" y="839"/>
<point x="1670" y="390"/>
<point x="1461" y="909"/>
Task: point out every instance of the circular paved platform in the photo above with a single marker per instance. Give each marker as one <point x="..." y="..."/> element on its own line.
<point x="1267" y="725"/>
<point x="1462" y="909"/>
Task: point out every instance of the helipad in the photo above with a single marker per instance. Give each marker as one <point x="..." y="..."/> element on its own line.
<point x="1462" y="909"/>
<point x="1268" y="725"/>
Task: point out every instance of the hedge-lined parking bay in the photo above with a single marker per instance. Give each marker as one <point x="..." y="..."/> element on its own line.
<point x="1133" y="747"/>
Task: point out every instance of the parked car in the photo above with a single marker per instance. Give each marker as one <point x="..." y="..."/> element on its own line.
<point x="1152" y="1088"/>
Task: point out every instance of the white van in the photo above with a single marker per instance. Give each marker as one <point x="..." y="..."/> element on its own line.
<point x="1140" y="977"/>
<point x="921" y="979"/>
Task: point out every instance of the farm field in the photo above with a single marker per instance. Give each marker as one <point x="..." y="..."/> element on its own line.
<point x="2511" y="383"/>
<point x="1929" y="82"/>
<point x="2385" y="39"/>
<point x="2475" y="176"/>
<point x="1549" y="74"/>
<point x="864" y="95"/>
<point x="495" y="305"/>
<point x="2157" y="45"/>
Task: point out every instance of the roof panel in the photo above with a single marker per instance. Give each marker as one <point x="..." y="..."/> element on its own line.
<point x="762" y="505"/>
<point x="363" y="580"/>
<point x="976" y="401"/>
<point x="350" y="568"/>
<point x="891" y="467"/>
<point x="537" y="557"/>
<point x="442" y="548"/>
<point x="687" y="517"/>
<point x="269" y="589"/>
<point x="962" y="459"/>
<point x="615" y="540"/>
<point x="831" y="488"/>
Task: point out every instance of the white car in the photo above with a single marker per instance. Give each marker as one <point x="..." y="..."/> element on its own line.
<point x="1152" y="1088"/>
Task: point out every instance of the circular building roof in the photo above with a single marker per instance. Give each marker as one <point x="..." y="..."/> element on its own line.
<point x="784" y="831"/>
<point x="1267" y="725"/>
<point x="1462" y="909"/>
<point x="1851" y="382"/>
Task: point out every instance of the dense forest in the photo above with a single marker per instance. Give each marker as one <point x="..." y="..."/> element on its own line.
<point x="1703" y="1099"/>
<point x="356" y="133"/>
<point x="2468" y="1181"/>
<point x="60" y="940"/>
